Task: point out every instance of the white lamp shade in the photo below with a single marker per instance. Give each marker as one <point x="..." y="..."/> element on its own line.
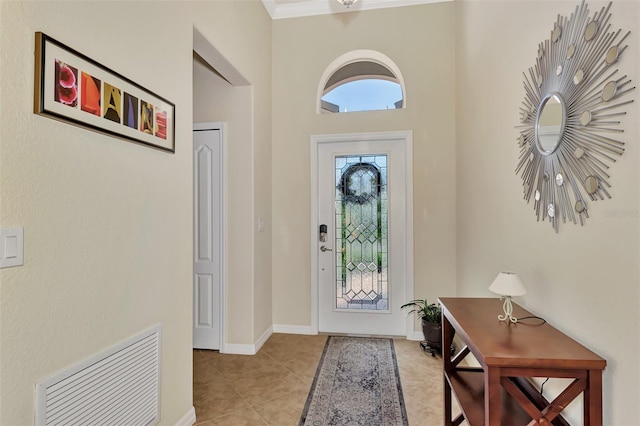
<point x="508" y="284"/>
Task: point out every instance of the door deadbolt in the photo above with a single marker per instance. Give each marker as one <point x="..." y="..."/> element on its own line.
<point x="323" y="233"/>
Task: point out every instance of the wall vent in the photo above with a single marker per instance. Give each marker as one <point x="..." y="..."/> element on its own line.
<point x="120" y="386"/>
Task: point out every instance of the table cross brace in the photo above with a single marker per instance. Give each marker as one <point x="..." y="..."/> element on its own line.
<point x="553" y="409"/>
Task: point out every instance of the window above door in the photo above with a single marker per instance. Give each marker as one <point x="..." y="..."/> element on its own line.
<point x="361" y="80"/>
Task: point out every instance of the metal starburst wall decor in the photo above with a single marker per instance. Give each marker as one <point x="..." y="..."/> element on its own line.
<point x="570" y="116"/>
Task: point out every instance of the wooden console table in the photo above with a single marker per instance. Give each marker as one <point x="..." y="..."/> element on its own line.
<point x="500" y="392"/>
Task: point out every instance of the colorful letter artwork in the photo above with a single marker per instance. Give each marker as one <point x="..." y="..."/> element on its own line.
<point x="90" y="101"/>
<point x="130" y="111"/>
<point x="161" y="124"/>
<point x="66" y="89"/>
<point x="73" y="88"/>
<point x="114" y="104"/>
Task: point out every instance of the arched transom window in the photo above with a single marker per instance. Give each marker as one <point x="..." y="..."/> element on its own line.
<point x="361" y="80"/>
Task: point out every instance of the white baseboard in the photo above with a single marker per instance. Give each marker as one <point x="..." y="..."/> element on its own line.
<point x="239" y="349"/>
<point x="263" y="338"/>
<point x="293" y="329"/>
<point x="188" y="419"/>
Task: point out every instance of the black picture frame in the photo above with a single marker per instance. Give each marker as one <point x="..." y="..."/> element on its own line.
<point x="73" y="88"/>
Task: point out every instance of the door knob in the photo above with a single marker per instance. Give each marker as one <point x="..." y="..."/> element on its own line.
<point x="323" y="248"/>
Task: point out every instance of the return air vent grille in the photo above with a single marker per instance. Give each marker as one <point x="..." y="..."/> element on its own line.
<point x="120" y="386"/>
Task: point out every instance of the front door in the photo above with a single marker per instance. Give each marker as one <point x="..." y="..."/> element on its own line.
<point x="208" y="236"/>
<point x="362" y="254"/>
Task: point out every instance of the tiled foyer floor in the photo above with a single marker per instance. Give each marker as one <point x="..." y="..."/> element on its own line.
<point x="271" y="387"/>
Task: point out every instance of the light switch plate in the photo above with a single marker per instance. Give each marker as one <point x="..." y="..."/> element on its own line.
<point x="11" y="247"/>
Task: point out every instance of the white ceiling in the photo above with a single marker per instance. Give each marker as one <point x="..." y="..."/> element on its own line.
<point x="279" y="9"/>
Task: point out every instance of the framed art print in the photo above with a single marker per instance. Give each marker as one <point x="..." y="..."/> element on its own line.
<point x="74" y="88"/>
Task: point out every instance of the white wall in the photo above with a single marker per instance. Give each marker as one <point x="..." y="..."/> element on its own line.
<point x="108" y="223"/>
<point x="420" y="40"/>
<point x="583" y="280"/>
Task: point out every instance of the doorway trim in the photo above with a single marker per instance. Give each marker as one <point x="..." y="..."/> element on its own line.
<point x="404" y="136"/>
<point x="223" y="193"/>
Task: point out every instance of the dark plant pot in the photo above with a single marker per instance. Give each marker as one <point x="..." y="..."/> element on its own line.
<point x="432" y="334"/>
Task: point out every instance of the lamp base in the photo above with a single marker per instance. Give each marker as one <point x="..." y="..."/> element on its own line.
<point x="507" y="307"/>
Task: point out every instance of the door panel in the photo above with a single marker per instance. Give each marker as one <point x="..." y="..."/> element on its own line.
<point x="204" y="301"/>
<point x="361" y="200"/>
<point x="207" y="171"/>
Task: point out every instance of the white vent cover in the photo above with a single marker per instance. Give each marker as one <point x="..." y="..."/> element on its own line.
<point x="120" y="386"/>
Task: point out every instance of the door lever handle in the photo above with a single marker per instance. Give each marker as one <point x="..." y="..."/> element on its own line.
<point x="323" y="248"/>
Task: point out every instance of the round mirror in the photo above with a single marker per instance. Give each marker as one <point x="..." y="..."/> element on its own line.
<point x="609" y="91"/>
<point x="612" y="55"/>
<point x="550" y="123"/>
<point x="591" y="30"/>
<point x="557" y="32"/>
<point x="591" y="184"/>
<point x="572" y="93"/>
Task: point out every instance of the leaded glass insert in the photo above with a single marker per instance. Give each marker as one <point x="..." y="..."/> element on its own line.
<point x="361" y="233"/>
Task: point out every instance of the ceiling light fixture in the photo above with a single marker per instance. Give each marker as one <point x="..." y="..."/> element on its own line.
<point x="347" y="3"/>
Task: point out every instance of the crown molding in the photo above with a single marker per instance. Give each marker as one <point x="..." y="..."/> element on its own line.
<point x="324" y="7"/>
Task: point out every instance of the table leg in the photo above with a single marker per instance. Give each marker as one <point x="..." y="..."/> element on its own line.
<point x="593" y="399"/>
<point x="447" y="336"/>
<point x="492" y="397"/>
<point x="447" y="404"/>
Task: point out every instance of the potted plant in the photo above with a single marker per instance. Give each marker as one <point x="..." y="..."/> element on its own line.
<point x="431" y="316"/>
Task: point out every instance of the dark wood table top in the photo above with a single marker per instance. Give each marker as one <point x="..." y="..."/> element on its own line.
<point x="501" y="344"/>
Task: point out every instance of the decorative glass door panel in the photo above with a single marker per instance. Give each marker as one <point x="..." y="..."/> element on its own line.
<point x="362" y="244"/>
<point x="361" y="233"/>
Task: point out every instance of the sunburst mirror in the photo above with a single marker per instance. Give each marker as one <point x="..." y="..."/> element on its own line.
<point x="570" y="116"/>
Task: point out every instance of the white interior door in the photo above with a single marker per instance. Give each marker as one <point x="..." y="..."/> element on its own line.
<point x="208" y="237"/>
<point x="362" y="266"/>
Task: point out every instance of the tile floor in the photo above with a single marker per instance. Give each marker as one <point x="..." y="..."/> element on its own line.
<point x="271" y="387"/>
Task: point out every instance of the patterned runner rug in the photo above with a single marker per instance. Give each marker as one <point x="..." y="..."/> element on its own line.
<point x="357" y="383"/>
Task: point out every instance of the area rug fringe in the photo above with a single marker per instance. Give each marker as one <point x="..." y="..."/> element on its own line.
<point x="356" y="383"/>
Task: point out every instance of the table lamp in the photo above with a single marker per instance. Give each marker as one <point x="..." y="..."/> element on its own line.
<point x="507" y="284"/>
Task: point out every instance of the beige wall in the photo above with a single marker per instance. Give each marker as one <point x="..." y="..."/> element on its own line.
<point x="215" y="100"/>
<point x="583" y="280"/>
<point x="420" y="40"/>
<point x="108" y="223"/>
<point x="241" y="32"/>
